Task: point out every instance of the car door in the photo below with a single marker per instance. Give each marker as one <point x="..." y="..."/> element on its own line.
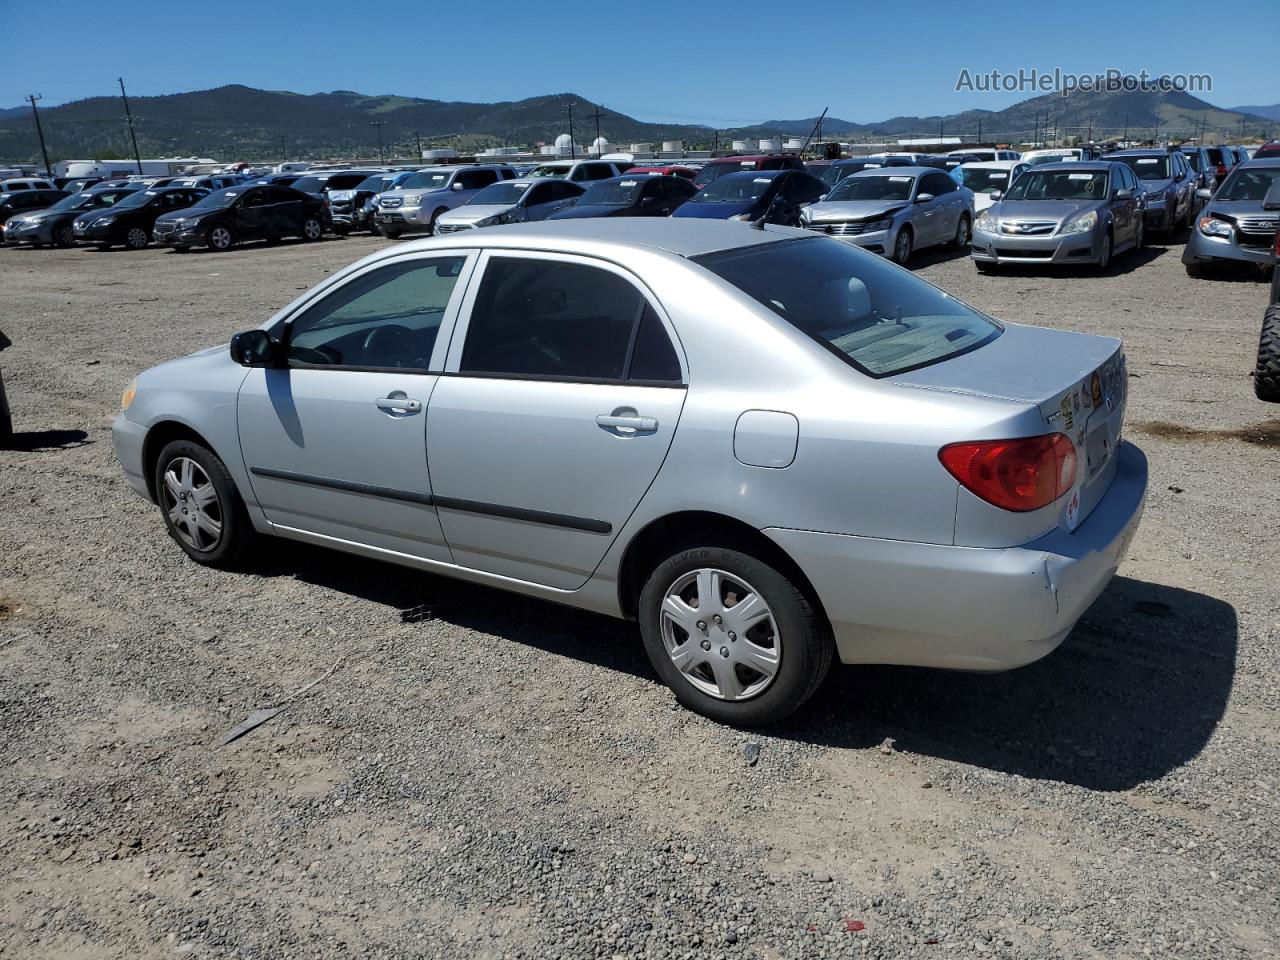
<point x="335" y="442"/>
<point x="1123" y="210"/>
<point x="560" y="399"/>
<point x="253" y="215"/>
<point x="952" y="205"/>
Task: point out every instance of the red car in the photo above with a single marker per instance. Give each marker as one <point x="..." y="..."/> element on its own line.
<point x="719" y="167"/>
<point x="670" y="171"/>
<point x="1271" y="149"/>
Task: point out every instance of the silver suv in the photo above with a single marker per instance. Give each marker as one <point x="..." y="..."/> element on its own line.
<point x="1239" y="222"/>
<point x="417" y="203"/>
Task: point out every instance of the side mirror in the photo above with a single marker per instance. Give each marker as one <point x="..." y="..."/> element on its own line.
<point x="458" y="186"/>
<point x="996" y="194"/>
<point x="1124" y="193"/>
<point x="1204" y="193"/>
<point x="254" y="348"/>
<point x="923" y="197"/>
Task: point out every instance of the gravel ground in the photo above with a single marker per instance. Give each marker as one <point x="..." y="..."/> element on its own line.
<point x="487" y="776"/>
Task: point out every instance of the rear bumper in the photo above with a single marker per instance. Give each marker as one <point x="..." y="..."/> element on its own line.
<point x="969" y="608"/>
<point x="128" y="438"/>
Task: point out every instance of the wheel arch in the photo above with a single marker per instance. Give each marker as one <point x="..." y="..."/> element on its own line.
<point x="668" y="534"/>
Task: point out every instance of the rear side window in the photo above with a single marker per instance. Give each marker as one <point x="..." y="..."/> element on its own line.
<point x="866" y="311"/>
<point x="543" y="318"/>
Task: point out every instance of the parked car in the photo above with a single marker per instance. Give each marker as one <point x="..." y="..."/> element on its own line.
<point x="1205" y="171"/>
<point x="723" y="166"/>
<point x="772" y="196"/>
<point x="1266" y="373"/>
<point x="989" y="180"/>
<point x="1239" y="222"/>
<point x="851" y="165"/>
<point x="1054" y="155"/>
<point x="24" y="200"/>
<point x="1222" y="161"/>
<point x="15" y="184"/>
<point x="511" y="201"/>
<point x="677" y="460"/>
<point x="208" y="184"/>
<point x="75" y="186"/>
<point x="670" y="170"/>
<point x="1078" y="212"/>
<point x="1269" y="149"/>
<point x="895" y="212"/>
<point x="227" y="217"/>
<point x="579" y="171"/>
<point x="131" y="221"/>
<point x="1167" y="180"/>
<point x="628" y="196"/>
<point x="987" y="154"/>
<point x="351" y="208"/>
<point x="6" y="418"/>
<point x="52" y="225"/>
<point x="320" y="184"/>
<point x="420" y="200"/>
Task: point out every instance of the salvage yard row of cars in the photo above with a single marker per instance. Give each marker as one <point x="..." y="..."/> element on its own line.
<point x="1046" y="207"/>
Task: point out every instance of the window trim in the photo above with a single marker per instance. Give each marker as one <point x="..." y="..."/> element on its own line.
<point x="462" y="324"/>
<point x="282" y="328"/>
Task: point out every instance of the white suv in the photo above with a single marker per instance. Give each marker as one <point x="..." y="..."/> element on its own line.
<point x="579" y="171"/>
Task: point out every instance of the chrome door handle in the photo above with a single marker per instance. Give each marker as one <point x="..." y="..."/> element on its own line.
<point x="636" y="424"/>
<point x="399" y="404"/>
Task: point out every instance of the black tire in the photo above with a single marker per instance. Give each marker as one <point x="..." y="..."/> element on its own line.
<point x="1266" y="375"/>
<point x="431" y="227"/>
<point x="391" y="233"/>
<point x="805" y="647"/>
<point x="219" y="238"/>
<point x="1197" y="271"/>
<point x="984" y="267"/>
<point x="1140" y="240"/>
<point x="903" y="247"/>
<point x="237" y="535"/>
<point x="1275" y="284"/>
<point x="64" y="236"/>
<point x="964" y="234"/>
<point x="1104" y="260"/>
<point x="341" y="231"/>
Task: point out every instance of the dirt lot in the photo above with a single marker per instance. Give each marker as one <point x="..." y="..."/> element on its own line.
<point x="487" y="776"/>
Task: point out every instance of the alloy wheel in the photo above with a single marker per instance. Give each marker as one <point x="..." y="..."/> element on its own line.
<point x="962" y="233"/>
<point x="192" y="505"/>
<point x="137" y="238"/>
<point x="312" y="230"/>
<point x="720" y="634"/>
<point x="220" y="238"/>
<point x="902" y="248"/>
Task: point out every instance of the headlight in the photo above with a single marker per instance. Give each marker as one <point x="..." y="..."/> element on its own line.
<point x="1082" y="224"/>
<point x="130" y="392"/>
<point x="985" y="222"/>
<point x="413" y="201"/>
<point x="877" y="225"/>
<point x="1213" y="227"/>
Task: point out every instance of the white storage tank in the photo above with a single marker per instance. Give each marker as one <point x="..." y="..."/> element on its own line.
<point x="441" y="154"/>
<point x="642" y="148"/>
<point x="600" y="145"/>
<point x="770" y="146"/>
<point x="672" y="146"/>
<point x="743" y="146"/>
<point x="795" y="143"/>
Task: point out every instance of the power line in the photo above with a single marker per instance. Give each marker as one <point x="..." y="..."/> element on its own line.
<point x="128" y="118"/>
<point x="31" y="99"/>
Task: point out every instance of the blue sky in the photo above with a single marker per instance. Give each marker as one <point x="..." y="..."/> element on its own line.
<point x="724" y="64"/>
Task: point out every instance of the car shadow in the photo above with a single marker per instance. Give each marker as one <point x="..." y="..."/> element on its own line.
<point x="36" y="440"/>
<point x="1120" y="265"/>
<point x="930" y="256"/>
<point x="259" y="245"/>
<point x="1135" y="692"/>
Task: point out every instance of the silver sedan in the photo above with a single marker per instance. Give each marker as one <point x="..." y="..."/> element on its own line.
<point x="770" y="449"/>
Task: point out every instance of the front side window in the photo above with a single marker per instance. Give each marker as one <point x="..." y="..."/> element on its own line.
<point x="547" y="318"/>
<point x="938" y="184"/>
<point x="866" y="311"/>
<point x="475" y="179"/>
<point x="388" y="318"/>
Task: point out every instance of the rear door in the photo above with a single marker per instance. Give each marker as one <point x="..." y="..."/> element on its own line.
<point x="559" y="401"/>
<point x="253" y="215"/>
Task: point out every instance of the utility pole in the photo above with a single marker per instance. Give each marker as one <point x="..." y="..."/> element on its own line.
<point x="596" y="115"/>
<point x="1035" y="137"/>
<point x="573" y="149"/>
<point x="379" y="124"/>
<point x="979" y="140"/>
<point x="284" y="154"/>
<point x="418" y="136"/>
<point x="1126" y="130"/>
<point x="128" y="118"/>
<point x="44" y="152"/>
<point x="1090" y="137"/>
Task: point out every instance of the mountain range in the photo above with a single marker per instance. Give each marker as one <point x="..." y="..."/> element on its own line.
<point x="244" y="123"/>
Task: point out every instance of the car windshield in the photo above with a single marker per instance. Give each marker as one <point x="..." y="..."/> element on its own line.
<point x="425" y="180"/>
<point x="985" y="181"/>
<point x="503" y="192"/>
<point x="872" y="187"/>
<point x="1148" y="168"/>
<point x="376" y="183"/>
<point x="744" y="188"/>
<point x="220" y="198"/>
<point x="107" y="198"/>
<point x="613" y="193"/>
<point x="139" y="198"/>
<point x="1249" y="184"/>
<point x="868" y="312"/>
<point x="1059" y="185"/>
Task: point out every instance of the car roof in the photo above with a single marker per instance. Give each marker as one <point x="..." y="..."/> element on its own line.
<point x="685" y="237"/>
<point x="754" y="174"/>
<point x="896" y="172"/>
<point x="1261" y="162"/>
<point x="1137" y="152"/>
<point x="1079" y="166"/>
<point x="991" y="165"/>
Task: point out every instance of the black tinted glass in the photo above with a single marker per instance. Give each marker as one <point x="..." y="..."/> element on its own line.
<point x="654" y="358"/>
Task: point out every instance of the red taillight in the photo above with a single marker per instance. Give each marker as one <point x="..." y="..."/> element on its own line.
<point x="1021" y="475"/>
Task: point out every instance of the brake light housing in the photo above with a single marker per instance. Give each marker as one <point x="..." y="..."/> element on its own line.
<point x="1020" y="475"/>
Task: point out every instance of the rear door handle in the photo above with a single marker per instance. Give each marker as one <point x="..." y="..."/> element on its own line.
<point x="627" y="424"/>
<point x="400" y="404"/>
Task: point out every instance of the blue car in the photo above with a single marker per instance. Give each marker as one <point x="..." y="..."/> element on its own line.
<point x="776" y="196"/>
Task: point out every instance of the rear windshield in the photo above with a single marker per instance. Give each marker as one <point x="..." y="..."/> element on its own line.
<point x="743" y="188"/>
<point x="865" y="310"/>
